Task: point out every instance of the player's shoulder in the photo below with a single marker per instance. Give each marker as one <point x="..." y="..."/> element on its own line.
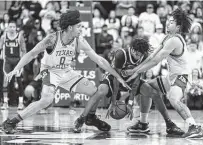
<point x="50" y="39"/>
<point x="120" y="53"/>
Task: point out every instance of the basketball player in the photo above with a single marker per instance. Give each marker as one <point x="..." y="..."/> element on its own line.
<point x="59" y="50"/>
<point x="125" y="59"/>
<point x="13" y="45"/>
<point x="175" y="51"/>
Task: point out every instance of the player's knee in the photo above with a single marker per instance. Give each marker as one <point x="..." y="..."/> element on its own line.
<point x="175" y="94"/>
<point x="47" y="96"/>
<point x="147" y="90"/>
<point x="102" y="90"/>
<point x="28" y="91"/>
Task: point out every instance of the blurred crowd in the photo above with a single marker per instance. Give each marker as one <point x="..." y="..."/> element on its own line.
<point x="115" y="24"/>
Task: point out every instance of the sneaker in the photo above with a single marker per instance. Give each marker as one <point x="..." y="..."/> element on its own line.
<point x="5" y="106"/>
<point x="8" y="127"/>
<point x="174" y="130"/>
<point x="194" y="131"/>
<point x="78" y="124"/>
<point x="20" y="106"/>
<point x="139" y="127"/>
<point x="93" y="120"/>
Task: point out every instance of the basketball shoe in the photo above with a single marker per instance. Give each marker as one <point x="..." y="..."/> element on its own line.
<point x="194" y="131"/>
<point x="9" y="127"/>
<point x="172" y="129"/>
<point x="139" y="127"/>
<point x="78" y="124"/>
<point x="93" y="120"/>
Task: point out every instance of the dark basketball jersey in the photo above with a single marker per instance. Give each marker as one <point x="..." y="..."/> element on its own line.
<point x="12" y="47"/>
<point x="123" y="60"/>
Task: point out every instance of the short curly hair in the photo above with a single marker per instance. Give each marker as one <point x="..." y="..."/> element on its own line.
<point x="71" y="17"/>
<point x="182" y="19"/>
<point x="141" y="45"/>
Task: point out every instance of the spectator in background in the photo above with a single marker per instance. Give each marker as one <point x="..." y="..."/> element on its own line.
<point x="1" y="77"/>
<point x="195" y="90"/>
<point x="104" y="42"/>
<point x="131" y="15"/>
<point x="167" y="8"/>
<point x="148" y="20"/>
<point x="35" y="7"/>
<point x="199" y="16"/>
<point x="64" y="6"/>
<point x="162" y="16"/>
<point x="58" y="15"/>
<point x="123" y="6"/>
<point x="156" y="38"/>
<point x="113" y="25"/>
<point x="140" y="33"/>
<point x="4" y="23"/>
<point x="25" y="16"/>
<point x="54" y="26"/>
<point x="98" y="21"/>
<point x="15" y="10"/>
<point x="129" y="24"/>
<point x="195" y="5"/>
<point x="47" y="15"/>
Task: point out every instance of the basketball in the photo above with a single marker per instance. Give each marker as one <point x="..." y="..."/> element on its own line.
<point x="121" y="111"/>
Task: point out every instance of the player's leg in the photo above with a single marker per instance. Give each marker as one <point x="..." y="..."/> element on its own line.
<point x="20" y="93"/>
<point x="47" y="96"/>
<point x="175" y="95"/>
<point x="88" y="116"/>
<point x="7" y="67"/>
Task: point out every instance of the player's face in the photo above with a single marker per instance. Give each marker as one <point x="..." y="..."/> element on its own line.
<point x="12" y="27"/>
<point x="77" y="29"/>
<point x="136" y="54"/>
<point x="172" y="26"/>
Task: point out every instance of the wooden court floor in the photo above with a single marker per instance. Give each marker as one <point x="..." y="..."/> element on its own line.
<point x="55" y="128"/>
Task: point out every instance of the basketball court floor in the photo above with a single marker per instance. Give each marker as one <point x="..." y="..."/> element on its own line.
<point x="55" y="128"/>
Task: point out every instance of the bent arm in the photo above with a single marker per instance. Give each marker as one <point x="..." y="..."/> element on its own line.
<point x="96" y="58"/>
<point x="163" y="53"/>
<point x="41" y="46"/>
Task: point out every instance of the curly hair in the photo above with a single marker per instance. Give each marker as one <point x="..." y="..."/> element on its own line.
<point x="140" y="45"/>
<point x="182" y="19"/>
<point x="71" y="17"/>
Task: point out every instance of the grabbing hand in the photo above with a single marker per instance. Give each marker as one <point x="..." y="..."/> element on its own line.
<point x="10" y="75"/>
<point x="130" y="111"/>
<point x="124" y="83"/>
<point x="111" y="108"/>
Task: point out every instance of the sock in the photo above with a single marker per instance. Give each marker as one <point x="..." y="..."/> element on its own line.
<point x="5" y="99"/>
<point x="20" y="99"/>
<point x="190" y="121"/>
<point x="16" y="119"/>
<point x="143" y="117"/>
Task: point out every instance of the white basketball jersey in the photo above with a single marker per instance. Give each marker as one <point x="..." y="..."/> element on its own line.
<point x="178" y="64"/>
<point x="61" y="57"/>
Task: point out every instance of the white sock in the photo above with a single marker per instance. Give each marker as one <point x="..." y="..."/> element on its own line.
<point x="20" y="99"/>
<point x="143" y="117"/>
<point x="5" y="99"/>
<point x="190" y="121"/>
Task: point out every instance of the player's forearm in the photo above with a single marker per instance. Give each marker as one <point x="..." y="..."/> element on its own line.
<point x="24" y="60"/>
<point x="107" y="67"/>
<point x="147" y="66"/>
<point x="115" y="92"/>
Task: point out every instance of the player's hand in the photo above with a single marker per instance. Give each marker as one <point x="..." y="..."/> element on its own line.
<point x="111" y="108"/>
<point x="10" y="75"/>
<point x="132" y="77"/>
<point x="124" y="83"/>
<point x="130" y="111"/>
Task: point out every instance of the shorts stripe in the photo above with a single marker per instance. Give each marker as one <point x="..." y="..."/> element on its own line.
<point x="160" y="85"/>
<point x="75" y="83"/>
<point x="109" y="85"/>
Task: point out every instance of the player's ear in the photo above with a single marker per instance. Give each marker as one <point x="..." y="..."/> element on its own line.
<point x="70" y="27"/>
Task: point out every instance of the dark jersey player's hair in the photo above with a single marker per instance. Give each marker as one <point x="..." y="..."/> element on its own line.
<point x="182" y="19"/>
<point x="140" y="45"/>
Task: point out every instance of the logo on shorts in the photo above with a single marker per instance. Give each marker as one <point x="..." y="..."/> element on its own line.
<point x="86" y="83"/>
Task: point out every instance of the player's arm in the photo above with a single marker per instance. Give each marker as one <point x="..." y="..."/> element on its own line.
<point x="1" y="47"/>
<point x="169" y="46"/>
<point x="22" y="45"/>
<point x="83" y="44"/>
<point x="41" y="46"/>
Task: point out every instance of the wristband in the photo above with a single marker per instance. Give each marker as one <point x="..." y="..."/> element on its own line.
<point x="130" y="102"/>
